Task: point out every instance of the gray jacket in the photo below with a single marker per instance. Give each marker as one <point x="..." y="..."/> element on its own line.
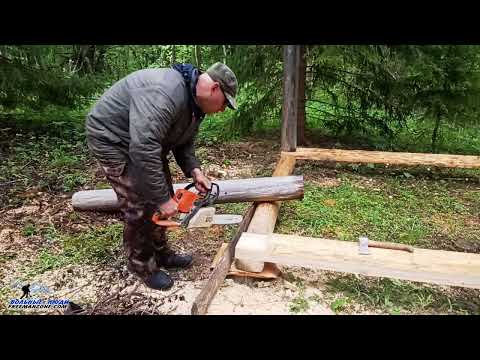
<point x="138" y="121"/>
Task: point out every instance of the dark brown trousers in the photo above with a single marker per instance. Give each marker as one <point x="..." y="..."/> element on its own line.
<point x="144" y="242"/>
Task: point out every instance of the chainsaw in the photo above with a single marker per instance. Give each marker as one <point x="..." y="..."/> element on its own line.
<point x="195" y="210"/>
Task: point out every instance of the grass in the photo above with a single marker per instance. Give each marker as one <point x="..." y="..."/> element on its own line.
<point x="299" y="305"/>
<point x="396" y="210"/>
<point x="45" y="157"/>
<point x="97" y="246"/>
<point x="401" y="297"/>
<point x="29" y="230"/>
<point x="339" y="304"/>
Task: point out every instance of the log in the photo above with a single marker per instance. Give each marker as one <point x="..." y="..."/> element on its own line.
<point x="203" y="300"/>
<point x="383" y="157"/>
<point x="422" y="265"/>
<point x="291" y="60"/>
<point x="241" y="190"/>
<point x="301" y="97"/>
<point x="263" y="222"/>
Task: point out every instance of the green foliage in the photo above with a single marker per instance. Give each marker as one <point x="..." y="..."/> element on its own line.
<point x="377" y="89"/>
<point x="37" y="76"/>
<point x="259" y="70"/>
<point x="395" y="94"/>
<point x="41" y="156"/>
<point x="73" y="181"/>
<point x="48" y="261"/>
<point x="29" y="230"/>
<point x="339" y="304"/>
<point x="299" y="305"/>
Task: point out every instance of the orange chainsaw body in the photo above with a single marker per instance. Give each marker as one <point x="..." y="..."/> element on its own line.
<point x="188" y="203"/>
<point x="185" y="200"/>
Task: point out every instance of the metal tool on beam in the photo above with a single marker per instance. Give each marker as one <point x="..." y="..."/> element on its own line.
<point x="364" y="244"/>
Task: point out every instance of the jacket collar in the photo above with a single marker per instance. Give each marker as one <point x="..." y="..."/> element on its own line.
<point x="190" y="73"/>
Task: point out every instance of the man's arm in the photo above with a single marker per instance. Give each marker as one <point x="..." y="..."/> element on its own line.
<point x="186" y="158"/>
<point x="188" y="162"/>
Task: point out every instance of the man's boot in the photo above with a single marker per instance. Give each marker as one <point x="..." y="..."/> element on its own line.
<point x="168" y="259"/>
<point x="159" y="280"/>
<point x="141" y="256"/>
<point x="164" y="256"/>
<point x="153" y="278"/>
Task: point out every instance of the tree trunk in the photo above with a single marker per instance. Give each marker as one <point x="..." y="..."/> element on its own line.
<point x="127" y="56"/>
<point x="83" y="58"/>
<point x="198" y="56"/>
<point x="224" y="54"/>
<point x="301" y="97"/>
<point x="100" y="58"/>
<point x="174" y="55"/>
<point x="435" y="132"/>
<point x="290" y="93"/>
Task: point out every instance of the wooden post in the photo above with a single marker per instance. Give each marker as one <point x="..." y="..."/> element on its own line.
<point x="265" y="217"/>
<point x="203" y="300"/>
<point x="301" y="96"/>
<point x="290" y="97"/>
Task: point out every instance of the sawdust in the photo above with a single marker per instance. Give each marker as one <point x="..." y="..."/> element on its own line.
<point x="246" y="296"/>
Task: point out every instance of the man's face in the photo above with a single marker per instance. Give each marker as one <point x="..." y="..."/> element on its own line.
<point x="215" y="101"/>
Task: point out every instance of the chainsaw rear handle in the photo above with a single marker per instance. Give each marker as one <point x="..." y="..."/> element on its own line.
<point x="164" y="223"/>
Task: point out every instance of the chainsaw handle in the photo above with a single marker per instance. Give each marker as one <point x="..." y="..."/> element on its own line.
<point x="209" y="191"/>
<point x="189" y="186"/>
<point x="156" y="219"/>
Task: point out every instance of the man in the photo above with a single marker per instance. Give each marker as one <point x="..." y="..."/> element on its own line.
<point x="131" y="130"/>
<point x="26" y="291"/>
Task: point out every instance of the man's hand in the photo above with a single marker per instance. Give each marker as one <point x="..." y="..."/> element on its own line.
<point x="202" y="184"/>
<point x="168" y="209"/>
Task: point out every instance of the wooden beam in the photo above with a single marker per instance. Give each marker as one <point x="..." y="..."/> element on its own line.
<point x="383" y="157"/>
<point x="429" y="266"/>
<point x="203" y="300"/>
<point x="290" y="97"/>
<point x="263" y="222"/>
<point x="239" y="190"/>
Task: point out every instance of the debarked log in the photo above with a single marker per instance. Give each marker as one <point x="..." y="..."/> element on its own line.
<point x="265" y="189"/>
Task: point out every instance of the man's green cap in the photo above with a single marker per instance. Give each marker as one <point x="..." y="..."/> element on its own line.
<point x="228" y="82"/>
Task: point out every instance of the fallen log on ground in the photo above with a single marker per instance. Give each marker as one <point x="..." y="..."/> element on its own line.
<point x="384" y="157"/>
<point x="277" y="188"/>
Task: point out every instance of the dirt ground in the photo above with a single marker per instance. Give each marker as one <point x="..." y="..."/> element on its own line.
<point x="110" y="289"/>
